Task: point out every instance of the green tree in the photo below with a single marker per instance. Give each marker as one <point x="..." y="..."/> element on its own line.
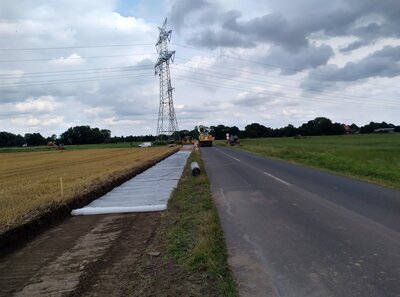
<point x="321" y="126"/>
<point x="9" y="139"/>
<point x="256" y="130"/>
<point x="85" y="135"/>
<point x="288" y="131"/>
<point x="219" y="132"/>
<point x="106" y="135"/>
<point x="34" y="139"/>
<point x="195" y="133"/>
<point x="235" y="131"/>
<point x="369" y="128"/>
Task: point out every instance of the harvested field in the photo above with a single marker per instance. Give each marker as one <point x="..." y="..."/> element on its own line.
<point x="30" y="182"/>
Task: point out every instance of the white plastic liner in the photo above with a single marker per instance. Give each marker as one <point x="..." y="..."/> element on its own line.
<point x="148" y="191"/>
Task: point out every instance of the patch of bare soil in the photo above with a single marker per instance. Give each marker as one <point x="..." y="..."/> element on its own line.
<point x="113" y="272"/>
<point x="107" y="255"/>
<point x="137" y="265"/>
<point x="156" y="274"/>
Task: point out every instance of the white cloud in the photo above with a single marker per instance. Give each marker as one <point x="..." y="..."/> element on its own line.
<point x="72" y="60"/>
<point x="114" y="121"/>
<point x="65" y="87"/>
<point x="129" y="23"/>
<point x="42" y="104"/>
<point x="96" y="110"/>
<point x="31" y="121"/>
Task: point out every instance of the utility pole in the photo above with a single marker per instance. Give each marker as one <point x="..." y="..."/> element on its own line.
<point x="167" y="124"/>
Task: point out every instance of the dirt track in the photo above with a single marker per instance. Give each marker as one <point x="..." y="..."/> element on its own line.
<point x="82" y="256"/>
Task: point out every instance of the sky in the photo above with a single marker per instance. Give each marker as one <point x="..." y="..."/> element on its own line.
<point x="81" y="62"/>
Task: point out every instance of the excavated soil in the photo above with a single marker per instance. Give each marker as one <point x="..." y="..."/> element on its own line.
<point x="103" y="255"/>
<point x="82" y="256"/>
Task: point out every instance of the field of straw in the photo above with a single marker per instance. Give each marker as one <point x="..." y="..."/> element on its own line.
<point x="30" y="182"/>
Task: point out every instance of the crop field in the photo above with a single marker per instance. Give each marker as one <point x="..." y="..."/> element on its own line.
<point x="30" y="182"/>
<point x="373" y="157"/>
<point x="44" y="148"/>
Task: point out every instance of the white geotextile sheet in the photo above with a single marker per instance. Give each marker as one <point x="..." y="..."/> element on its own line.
<point x="148" y="191"/>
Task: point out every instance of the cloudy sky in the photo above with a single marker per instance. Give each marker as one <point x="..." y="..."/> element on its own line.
<point x="81" y="62"/>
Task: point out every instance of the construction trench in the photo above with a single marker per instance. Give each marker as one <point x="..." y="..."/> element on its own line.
<point x="93" y="252"/>
<point x="146" y="192"/>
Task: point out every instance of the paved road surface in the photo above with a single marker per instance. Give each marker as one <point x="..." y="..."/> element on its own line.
<point x="296" y="231"/>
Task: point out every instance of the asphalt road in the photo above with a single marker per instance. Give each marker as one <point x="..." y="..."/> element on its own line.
<point x="297" y="231"/>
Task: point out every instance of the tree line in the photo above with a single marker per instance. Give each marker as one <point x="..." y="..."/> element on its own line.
<point x="88" y="135"/>
<point x="74" y="135"/>
<point x="316" y="127"/>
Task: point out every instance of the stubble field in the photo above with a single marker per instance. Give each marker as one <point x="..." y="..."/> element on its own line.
<point x="30" y="182"/>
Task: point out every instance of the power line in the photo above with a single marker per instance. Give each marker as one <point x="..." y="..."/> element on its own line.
<point x="78" y="72"/>
<point x="215" y="74"/>
<point x="208" y="71"/>
<point x="326" y="78"/>
<point x="336" y="98"/>
<point x="291" y="79"/>
<point x="200" y="82"/>
<point x="297" y="98"/>
<point x="37" y="83"/>
<point x="271" y="94"/>
<point x="74" y="58"/>
<point x="63" y="81"/>
<point x="220" y="75"/>
<point x="74" y="47"/>
<point x="324" y="84"/>
<point x="176" y="44"/>
<point x="224" y="77"/>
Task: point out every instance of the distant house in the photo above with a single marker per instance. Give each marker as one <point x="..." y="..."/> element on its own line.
<point x="384" y="130"/>
<point x="349" y="130"/>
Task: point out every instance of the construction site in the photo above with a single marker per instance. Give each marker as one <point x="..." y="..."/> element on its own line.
<point x="271" y="170"/>
<point x="82" y="224"/>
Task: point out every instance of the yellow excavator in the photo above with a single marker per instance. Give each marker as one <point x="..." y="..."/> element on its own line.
<point x="205" y="138"/>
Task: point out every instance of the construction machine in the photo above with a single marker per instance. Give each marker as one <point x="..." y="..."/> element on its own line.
<point x="205" y="138"/>
<point x="233" y="139"/>
<point x="52" y="144"/>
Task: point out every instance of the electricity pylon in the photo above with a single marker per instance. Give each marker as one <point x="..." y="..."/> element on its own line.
<point x="167" y="123"/>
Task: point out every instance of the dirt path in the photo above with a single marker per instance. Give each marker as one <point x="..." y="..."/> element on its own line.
<point x="82" y="256"/>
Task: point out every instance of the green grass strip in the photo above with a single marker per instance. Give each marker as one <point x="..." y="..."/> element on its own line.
<point x="196" y="241"/>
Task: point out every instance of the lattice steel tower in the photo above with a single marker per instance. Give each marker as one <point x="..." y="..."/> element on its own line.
<point x="167" y="123"/>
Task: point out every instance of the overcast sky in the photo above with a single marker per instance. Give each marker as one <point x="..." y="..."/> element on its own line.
<point x="77" y="62"/>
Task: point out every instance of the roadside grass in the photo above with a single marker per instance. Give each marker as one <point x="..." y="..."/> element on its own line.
<point x="196" y="240"/>
<point x="30" y="182"/>
<point x="44" y="148"/>
<point x="372" y="157"/>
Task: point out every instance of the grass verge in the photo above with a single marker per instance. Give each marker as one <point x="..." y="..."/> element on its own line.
<point x="372" y="157"/>
<point x="193" y="255"/>
<point x="197" y="241"/>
